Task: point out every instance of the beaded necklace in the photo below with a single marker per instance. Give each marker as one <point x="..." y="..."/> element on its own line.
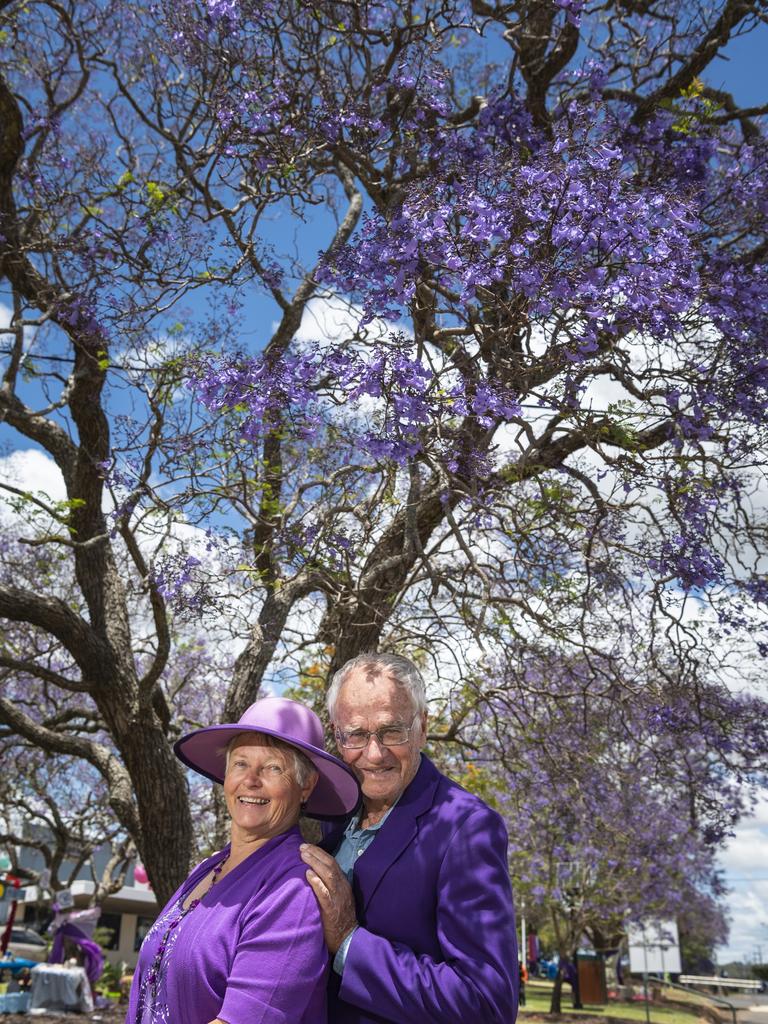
<point x="153" y="977"/>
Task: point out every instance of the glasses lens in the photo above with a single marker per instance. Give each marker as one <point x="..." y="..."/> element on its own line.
<point x="394" y="737"/>
<point x="353" y="740"/>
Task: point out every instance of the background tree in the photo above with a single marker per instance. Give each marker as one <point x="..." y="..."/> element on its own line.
<point x="618" y="802"/>
<point x="544" y="407"/>
<point x="60" y="813"/>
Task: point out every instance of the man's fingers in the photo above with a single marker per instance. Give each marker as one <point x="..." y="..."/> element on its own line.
<point x="320" y="862"/>
<point x="314" y="855"/>
<point x="319" y="887"/>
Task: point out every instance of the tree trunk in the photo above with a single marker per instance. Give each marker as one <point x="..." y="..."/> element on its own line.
<point x="165" y="839"/>
<point x="557" y="990"/>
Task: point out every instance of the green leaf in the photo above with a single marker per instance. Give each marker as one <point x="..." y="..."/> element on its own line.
<point x="156" y="194"/>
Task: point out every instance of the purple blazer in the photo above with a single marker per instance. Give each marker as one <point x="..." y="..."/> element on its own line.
<point x="253" y="951"/>
<point x="437" y="942"/>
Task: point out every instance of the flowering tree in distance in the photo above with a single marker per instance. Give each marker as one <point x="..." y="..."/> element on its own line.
<point x="540" y="419"/>
<point x="618" y="802"/>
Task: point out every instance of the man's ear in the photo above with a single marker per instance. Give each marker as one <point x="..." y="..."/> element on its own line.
<point x="423" y="722"/>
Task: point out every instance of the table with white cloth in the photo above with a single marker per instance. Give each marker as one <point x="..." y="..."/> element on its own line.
<point x="60" y="987"/>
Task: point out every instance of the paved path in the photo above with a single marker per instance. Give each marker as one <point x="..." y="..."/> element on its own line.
<point x="752" y="1008"/>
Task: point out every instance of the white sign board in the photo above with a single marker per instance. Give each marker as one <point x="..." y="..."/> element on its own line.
<point x="654" y="948"/>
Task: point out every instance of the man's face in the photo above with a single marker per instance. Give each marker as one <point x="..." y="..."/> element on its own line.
<point x="370" y="705"/>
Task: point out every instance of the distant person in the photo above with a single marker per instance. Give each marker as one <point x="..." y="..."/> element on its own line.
<point x="522" y="982"/>
<point x="242" y="940"/>
<point x="414" y="890"/>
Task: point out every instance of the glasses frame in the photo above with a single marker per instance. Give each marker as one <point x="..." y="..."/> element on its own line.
<point x="339" y="733"/>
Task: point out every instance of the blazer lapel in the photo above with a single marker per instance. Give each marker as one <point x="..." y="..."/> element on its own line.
<point x="396" y="833"/>
<point x="332" y="833"/>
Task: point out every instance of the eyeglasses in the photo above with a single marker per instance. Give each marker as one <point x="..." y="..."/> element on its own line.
<point x="389" y="736"/>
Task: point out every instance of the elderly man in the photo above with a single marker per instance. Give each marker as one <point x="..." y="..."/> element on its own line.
<point x="414" y="889"/>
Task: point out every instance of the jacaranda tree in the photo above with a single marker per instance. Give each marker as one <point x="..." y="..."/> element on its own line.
<point x="619" y="799"/>
<point x="540" y="419"/>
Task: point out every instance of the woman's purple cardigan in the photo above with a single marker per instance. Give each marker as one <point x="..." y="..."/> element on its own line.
<point x="253" y="951"/>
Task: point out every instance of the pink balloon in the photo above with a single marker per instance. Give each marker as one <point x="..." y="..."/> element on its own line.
<point x="140" y="874"/>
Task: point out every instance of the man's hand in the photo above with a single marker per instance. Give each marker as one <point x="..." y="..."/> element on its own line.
<point x="333" y="892"/>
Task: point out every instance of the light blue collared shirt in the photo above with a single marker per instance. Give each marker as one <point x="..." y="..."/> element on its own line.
<point x="355" y="842"/>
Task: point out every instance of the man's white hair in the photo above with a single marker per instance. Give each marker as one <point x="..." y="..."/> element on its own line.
<point x="376" y="666"/>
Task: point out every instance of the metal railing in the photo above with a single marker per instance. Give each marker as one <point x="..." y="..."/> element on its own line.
<point x="717" y="1000"/>
<point x="744" y="983"/>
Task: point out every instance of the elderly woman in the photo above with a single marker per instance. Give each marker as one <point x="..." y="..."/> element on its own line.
<point x="241" y="942"/>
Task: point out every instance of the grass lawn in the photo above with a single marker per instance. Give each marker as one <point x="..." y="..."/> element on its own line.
<point x="539" y="993"/>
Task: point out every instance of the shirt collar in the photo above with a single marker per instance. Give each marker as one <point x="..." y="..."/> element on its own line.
<point x="354" y="822"/>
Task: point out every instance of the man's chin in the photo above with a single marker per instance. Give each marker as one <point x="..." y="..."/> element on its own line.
<point x="380" y="784"/>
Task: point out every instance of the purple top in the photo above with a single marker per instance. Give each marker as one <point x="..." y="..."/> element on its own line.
<point x="252" y="952"/>
<point x="152" y="1007"/>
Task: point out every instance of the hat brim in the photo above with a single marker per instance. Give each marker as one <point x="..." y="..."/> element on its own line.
<point x="336" y="794"/>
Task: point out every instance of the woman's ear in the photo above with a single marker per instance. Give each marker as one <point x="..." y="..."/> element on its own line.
<point x="306" y="790"/>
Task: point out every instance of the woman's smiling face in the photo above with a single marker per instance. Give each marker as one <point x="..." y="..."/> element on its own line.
<point x="262" y="794"/>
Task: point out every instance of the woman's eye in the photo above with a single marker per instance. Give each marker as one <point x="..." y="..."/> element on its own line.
<point x="274" y="769"/>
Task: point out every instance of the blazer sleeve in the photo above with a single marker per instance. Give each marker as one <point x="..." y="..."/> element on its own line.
<point x="280" y="959"/>
<point x="476" y="979"/>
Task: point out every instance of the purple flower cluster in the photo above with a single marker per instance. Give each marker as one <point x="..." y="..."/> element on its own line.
<point x="398" y="398"/>
<point x="574" y="235"/>
<point x="224" y="10"/>
<point x="572" y="8"/>
<point x="687" y="555"/>
<point x="174" y="578"/>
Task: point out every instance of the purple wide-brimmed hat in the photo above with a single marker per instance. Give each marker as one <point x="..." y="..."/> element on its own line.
<point x="337" y="792"/>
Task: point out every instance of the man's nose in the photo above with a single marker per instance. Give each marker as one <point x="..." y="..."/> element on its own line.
<point x="374" y="748"/>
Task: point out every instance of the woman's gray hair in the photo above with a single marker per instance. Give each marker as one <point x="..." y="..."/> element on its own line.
<point x="375" y="666"/>
<point x="301" y="767"/>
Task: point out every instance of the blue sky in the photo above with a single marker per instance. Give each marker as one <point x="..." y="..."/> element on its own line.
<point x="745" y="71"/>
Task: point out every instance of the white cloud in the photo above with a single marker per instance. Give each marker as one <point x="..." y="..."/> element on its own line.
<point x="6" y="315"/>
<point x="35" y="472"/>
<point x="332" y="319"/>
<point x="746" y="872"/>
